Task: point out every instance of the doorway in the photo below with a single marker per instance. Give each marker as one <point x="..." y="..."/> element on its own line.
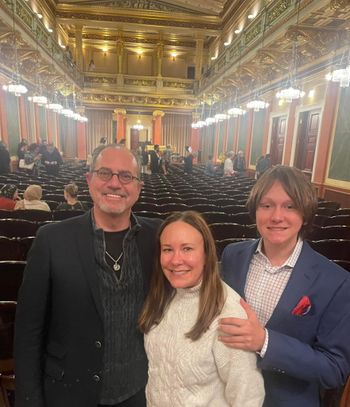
<point x="278" y="134"/>
<point x="308" y="126"/>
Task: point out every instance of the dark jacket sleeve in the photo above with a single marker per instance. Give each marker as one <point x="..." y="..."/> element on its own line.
<point x="30" y="324"/>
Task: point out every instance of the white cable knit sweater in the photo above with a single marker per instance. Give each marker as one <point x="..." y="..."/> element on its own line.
<point x="202" y="373"/>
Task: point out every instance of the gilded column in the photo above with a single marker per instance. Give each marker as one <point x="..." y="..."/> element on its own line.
<point x="79" y="46"/>
<point x="199" y="57"/>
<point x="195" y="135"/>
<point x="81" y="136"/>
<point x="157" y="127"/>
<point x="119" y="115"/>
<point x="160" y="53"/>
<point x="120" y="54"/>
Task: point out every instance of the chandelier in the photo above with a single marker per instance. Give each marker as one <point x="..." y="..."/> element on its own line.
<point x="39" y="100"/>
<point x="340" y="75"/>
<point x="236" y="111"/>
<point x="219" y="117"/>
<point x="138" y="126"/>
<point x="257" y="105"/>
<point x="16" y="88"/>
<point x="290" y="94"/>
<point x="209" y="121"/>
<point x="56" y="107"/>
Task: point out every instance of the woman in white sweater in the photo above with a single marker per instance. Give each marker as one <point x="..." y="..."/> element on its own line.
<point x="188" y="366"/>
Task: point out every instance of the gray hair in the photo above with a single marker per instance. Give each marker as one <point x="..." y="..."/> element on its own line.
<point x="98" y="150"/>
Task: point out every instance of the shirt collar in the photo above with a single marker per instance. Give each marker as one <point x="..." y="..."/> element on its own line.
<point x="134" y="225"/>
<point x="292" y="259"/>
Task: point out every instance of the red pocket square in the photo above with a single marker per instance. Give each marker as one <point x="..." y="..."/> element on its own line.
<point x="303" y="306"/>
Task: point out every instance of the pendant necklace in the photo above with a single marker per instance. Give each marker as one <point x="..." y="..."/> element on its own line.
<point x="116" y="265"/>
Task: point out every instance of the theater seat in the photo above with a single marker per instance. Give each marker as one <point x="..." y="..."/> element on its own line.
<point x="333" y="249"/>
<point x="11" y="275"/>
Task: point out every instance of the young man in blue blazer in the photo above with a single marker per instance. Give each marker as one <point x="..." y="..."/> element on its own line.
<point x="298" y="317"/>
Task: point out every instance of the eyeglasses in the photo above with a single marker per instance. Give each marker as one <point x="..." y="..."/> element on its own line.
<point x="105" y="174"/>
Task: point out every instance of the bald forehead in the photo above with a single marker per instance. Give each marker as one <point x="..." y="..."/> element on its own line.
<point x="116" y="155"/>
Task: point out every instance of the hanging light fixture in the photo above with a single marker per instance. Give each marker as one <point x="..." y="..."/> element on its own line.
<point x="257" y="104"/>
<point x="219" y="117"/>
<point x="290" y="94"/>
<point x="236" y="111"/>
<point x="15" y="86"/>
<point x="291" y="91"/>
<point x="138" y="126"/>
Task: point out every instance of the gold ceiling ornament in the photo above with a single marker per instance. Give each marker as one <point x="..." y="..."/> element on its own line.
<point x="339" y="4"/>
<point x="65" y="89"/>
<point x="157" y="113"/>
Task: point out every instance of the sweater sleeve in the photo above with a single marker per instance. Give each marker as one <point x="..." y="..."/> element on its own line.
<point x="243" y="381"/>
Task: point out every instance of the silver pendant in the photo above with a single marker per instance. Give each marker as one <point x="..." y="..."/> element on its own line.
<point x="116" y="267"/>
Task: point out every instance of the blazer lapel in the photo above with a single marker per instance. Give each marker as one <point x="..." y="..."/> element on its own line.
<point x="303" y="276"/>
<point x="85" y="243"/>
<point x="241" y="268"/>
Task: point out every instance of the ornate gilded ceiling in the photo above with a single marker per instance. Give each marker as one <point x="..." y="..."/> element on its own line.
<point x="284" y="36"/>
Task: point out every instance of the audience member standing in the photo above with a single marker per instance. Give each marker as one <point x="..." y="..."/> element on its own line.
<point x="239" y="164"/>
<point x="22" y="146"/>
<point x="188" y="160"/>
<point x="76" y="337"/>
<point x="228" y="165"/>
<point x="299" y="302"/>
<point x="155" y="159"/>
<point x="262" y="165"/>
<point x="5" y="159"/>
<point x="144" y="159"/>
<point x="51" y="158"/>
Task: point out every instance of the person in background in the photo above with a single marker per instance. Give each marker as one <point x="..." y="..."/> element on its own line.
<point x="8" y="196"/>
<point x="299" y="303"/>
<point x="32" y="156"/>
<point x="210" y="168"/>
<point x="155" y="159"/>
<point x="76" y="337"/>
<point x="228" y="165"/>
<point x="144" y="159"/>
<point x="5" y="159"/>
<point x="167" y="157"/>
<point x="51" y="158"/>
<point x="262" y="165"/>
<point x="188" y="366"/>
<point x="188" y="160"/>
<point x="21" y="148"/>
<point x="42" y="146"/>
<point x="71" y="196"/>
<point x="239" y="164"/>
<point x="32" y="199"/>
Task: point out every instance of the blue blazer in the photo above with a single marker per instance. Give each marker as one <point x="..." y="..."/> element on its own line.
<point x="309" y="352"/>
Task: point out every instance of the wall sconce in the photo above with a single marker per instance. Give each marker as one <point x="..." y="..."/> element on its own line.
<point x="105" y="50"/>
<point x="251" y="16"/>
<point x="139" y="53"/>
<point x="174" y="55"/>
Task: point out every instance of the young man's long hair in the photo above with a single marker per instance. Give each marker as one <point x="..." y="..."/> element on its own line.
<point x="211" y="296"/>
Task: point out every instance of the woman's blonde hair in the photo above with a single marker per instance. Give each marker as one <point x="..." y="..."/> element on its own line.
<point x="211" y="296"/>
<point x="33" y="193"/>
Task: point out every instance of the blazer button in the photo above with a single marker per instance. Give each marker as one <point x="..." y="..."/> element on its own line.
<point x="98" y="344"/>
<point x="96" y="378"/>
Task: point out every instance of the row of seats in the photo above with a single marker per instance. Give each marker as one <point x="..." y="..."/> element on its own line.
<point x="35" y="215"/>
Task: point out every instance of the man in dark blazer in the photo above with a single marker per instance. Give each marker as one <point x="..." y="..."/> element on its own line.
<point x="303" y="340"/>
<point x="76" y="341"/>
<point x="155" y="160"/>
